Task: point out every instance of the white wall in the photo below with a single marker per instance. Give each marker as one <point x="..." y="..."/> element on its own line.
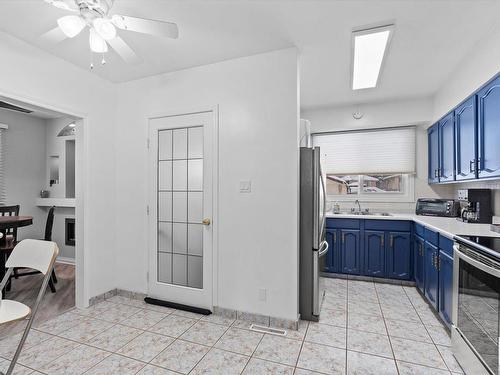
<point x="258" y="138"/>
<point x="376" y="115"/>
<point x="31" y="75"/>
<point x="25" y="167"/>
<point x="387" y="114"/>
<point x="481" y="64"/>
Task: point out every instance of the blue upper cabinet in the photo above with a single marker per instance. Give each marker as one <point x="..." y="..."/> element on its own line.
<point x="489" y="129"/>
<point x="447" y="148"/>
<point x="466" y="140"/>
<point x="433" y="154"/>
<point x="399" y="255"/>
<point x="350" y="251"/>
<point x="374" y="253"/>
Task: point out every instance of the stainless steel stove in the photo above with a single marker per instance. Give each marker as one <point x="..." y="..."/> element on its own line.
<point x="476" y="304"/>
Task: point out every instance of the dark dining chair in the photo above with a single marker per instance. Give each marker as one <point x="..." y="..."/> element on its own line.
<point x="47" y="237"/>
<point x="10" y="234"/>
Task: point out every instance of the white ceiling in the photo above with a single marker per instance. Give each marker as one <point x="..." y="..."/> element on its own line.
<point x="430" y="39"/>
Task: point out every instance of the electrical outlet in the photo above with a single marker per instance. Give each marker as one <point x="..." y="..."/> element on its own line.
<point x="245" y="186"/>
<point x="263" y="295"/>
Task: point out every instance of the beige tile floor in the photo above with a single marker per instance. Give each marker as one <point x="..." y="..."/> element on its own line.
<point x="365" y="328"/>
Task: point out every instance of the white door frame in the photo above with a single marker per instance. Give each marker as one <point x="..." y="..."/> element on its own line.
<point x="82" y="281"/>
<point x="215" y="185"/>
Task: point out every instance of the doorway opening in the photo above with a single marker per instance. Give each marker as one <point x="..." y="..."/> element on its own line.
<point x="41" y="159"/>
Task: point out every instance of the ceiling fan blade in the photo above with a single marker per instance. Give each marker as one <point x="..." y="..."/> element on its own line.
<point x="68" y="5"/>
<point x="124" y="50"/>
<point x="53" y="36"/>
<point x="145" y="26"/>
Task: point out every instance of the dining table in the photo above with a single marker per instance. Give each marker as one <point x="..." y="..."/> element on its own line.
<point x="7" y="222"/>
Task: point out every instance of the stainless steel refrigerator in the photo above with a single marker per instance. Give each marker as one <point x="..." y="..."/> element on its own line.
<point x="312" y="243"/>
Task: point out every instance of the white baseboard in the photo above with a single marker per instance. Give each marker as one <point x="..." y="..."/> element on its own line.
<point x="65" y="260"/>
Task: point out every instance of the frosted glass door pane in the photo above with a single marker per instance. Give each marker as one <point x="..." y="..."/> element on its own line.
<point x="195" y="239"/>
<point x="165" y="237"/>
<point x="165" y="145"/>
<point x="195" y="272"/>
<point x="180" y="238"/>
<point x="179" y="144"/>
<point x="179" y="268"/>
<point x="195" y="207"/>
<point x="180" y="207"/>
<point x="195" y="175"/>
<point x="179" y="175"/>
<point x="165" y="206"/>
<point x="165" y="267"/>
<point x="195" y="146"/>
<point x="165" y="175"/>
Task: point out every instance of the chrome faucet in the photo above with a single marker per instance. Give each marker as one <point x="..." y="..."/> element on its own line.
<point x="359" y="205"/>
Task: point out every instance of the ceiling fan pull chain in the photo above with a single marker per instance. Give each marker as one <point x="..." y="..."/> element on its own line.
<point x="91" y="60"/>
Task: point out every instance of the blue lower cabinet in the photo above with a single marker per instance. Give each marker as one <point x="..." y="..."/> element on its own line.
<point x="431" y="282"/>
<point x="374" y="253"/>
<point x="350" y="251"/>
<point x="332" y="261"/>
<point x="445" y="267"/>
<point x="398" y="255"/>
<point x="418" y="262"/>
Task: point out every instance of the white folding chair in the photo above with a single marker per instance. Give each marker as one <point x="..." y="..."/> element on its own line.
<point x="35" y="254"/>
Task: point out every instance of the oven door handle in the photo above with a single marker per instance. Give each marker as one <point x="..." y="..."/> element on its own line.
<point x="483" y="267"/>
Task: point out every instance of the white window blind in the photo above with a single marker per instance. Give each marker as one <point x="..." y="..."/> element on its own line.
<point x="3" y="129"/>
<point x="378" y="151"/>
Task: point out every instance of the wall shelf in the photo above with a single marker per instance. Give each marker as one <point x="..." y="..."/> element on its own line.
<point x="58" y="202"/>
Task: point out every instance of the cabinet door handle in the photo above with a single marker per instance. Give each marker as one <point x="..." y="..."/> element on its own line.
<point x="435" y="173"/>
<point x="382" y="241"/>
<point x="438" y="262"/>
<point x="392" y="241"/>
<point x="334" y="237"/>
<point x="434" y="260"/>
<point x="343" y="237"/>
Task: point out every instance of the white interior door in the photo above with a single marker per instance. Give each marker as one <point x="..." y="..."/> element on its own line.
<point x="180" y="209"/>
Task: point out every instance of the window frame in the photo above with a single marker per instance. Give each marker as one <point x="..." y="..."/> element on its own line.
<point x="406" y="196"/>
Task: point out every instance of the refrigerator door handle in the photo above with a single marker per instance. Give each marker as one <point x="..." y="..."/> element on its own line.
<point x="315" y="282"/>
<point x="316" y="180"/>
<point x="323" y="185"/>
<point x="323" y="249"/>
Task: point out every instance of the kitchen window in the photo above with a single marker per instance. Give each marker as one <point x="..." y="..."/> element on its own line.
<point x="374" y="165"/>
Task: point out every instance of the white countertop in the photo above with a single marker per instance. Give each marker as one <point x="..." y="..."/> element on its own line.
<point x="447" y="226"/>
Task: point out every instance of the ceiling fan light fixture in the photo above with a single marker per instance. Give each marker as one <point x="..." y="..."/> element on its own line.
<point x="105" y="28"/>
<point x="97" y="43"/>
<point x="71" y="25"/>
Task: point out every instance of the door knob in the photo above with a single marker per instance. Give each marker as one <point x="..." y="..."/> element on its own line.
<point x="206" y="221"/>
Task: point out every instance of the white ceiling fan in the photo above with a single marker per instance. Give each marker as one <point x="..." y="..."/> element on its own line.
<point x="95" y="14"/>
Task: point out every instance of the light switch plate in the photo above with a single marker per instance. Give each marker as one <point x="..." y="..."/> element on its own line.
<point x="245" y="186"/>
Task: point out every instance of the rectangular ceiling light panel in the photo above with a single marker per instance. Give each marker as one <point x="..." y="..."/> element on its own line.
<point x="370" y="47"/>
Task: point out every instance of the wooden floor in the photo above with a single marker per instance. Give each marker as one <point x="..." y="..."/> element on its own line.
<point x="25" y="290"/>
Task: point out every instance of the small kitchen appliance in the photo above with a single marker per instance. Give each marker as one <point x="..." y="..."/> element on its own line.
<point x="475" y="205"/>
<point x="313" y="245"/>
<point x="437" y="207"/>
<point x="476" y="304"/>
